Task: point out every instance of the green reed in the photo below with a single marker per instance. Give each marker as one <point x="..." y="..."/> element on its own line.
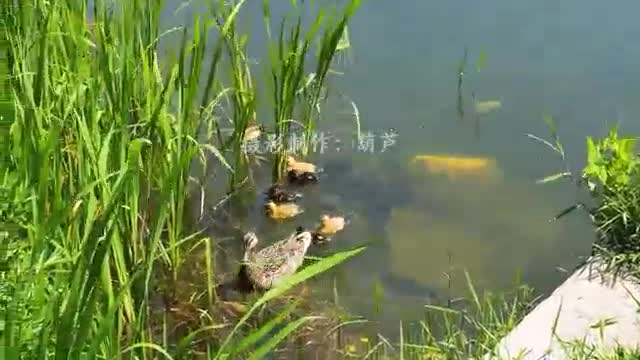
<point x="101" y="150"/>
<point x="297" y="92"/>
<point x="243" y="94"/>
<point x="296" y="79"/>
<point x="106" y="160"/>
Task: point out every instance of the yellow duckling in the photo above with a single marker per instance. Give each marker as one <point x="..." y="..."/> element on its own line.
<point x="282" y="211"/>
<point x="299" y="166"/>
<point x="329" y="226"/>
<point x="252" y="132"/>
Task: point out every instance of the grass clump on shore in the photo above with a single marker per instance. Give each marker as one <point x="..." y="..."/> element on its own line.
<point x="611" y="177"/>
<point x="94" y="191"/>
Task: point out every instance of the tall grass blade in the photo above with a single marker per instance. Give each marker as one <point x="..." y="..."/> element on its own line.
<point x="288" y="283"/>
<point x="263" y="350"/>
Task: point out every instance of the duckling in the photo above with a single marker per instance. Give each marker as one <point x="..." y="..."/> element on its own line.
<point x="278" y="195"/>
<point x="300" y="166"/>
<point x="329" y="226"/>
<point x="266" y="268"/>
<point x="252" y="132"/>
<point x="299" y="178"/>
<point x="282" y="211"/>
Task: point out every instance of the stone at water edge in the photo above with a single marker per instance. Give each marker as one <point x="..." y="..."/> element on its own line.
<point x="586" y="298"/>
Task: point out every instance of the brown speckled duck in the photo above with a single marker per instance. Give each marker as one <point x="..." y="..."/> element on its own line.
<point x="265" y="268"/>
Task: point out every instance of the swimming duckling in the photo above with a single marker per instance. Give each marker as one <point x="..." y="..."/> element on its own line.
<point x="266" y="268"/>
<point x="278" y="195"/>
<point x="300" y="166"/>
<point x="282" y="211"/>
<point x="252" y="132"/>
<point x="303" y="178"/>
<point x="329" y="226"/>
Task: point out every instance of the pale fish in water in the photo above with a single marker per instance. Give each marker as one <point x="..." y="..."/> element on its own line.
<point x="455" y="167"/>
<point x="484" y="107"/>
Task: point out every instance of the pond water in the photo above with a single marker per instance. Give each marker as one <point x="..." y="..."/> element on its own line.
<point x="573" y="59"/>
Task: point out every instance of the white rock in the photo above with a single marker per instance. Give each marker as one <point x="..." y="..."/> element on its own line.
<point x="586" y="298"/>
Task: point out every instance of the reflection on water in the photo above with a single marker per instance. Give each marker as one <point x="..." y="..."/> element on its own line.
<point x="541" y="57"/>
<point x="452" y="226"/>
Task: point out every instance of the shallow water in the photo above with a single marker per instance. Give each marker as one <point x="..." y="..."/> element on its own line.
<point x="572" y="59"/>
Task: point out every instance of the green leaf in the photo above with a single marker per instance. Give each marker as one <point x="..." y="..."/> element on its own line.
<point x="262" y="351"/>
<point x="551" y="124"/>
<point x="627" y="146"/>
<point x="553" y="128"/>
<point x="185" y="342"/>
<point x="230" y="19"/>
<point x="344" y="43"/>
<point x="554" y="177"/>
<point x="103" y="157"/>
<point x="218" y="156"/>
<point x="482" y="61"/>
<point x="592" y="152"/>
<point x="442" y="309"/>
<point x="543" y="141"/>
<point x="288" y="283"/>
<point x="265" y="329"/>
<point x="307" y="273"/>
<point x="378" y="295"/>
<point x="135" y="148"/>
<point x="159" y="349"/>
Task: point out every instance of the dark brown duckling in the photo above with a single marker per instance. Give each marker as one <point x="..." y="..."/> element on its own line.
<point x="301" y="173"/>
<point x="278" y="195"/>
<point x="302" y="178"/>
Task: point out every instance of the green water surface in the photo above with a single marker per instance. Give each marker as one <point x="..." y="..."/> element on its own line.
<point x="574" y="60"/>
